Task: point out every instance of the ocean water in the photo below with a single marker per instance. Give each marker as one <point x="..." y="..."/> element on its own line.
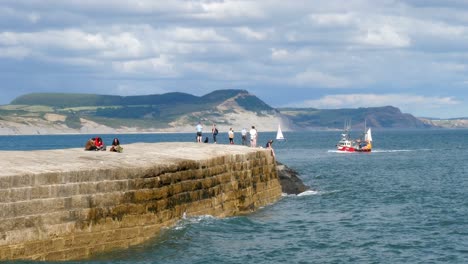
<point x="406" y="202"/>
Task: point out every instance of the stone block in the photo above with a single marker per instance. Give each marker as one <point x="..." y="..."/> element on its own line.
<point x="5" y="195"/>
<point x="40" y="192"/>
<point x="87" y="188"/>
<point x="20" y="194"/>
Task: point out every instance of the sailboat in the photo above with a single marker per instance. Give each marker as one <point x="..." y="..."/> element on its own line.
<point x="279" y="133"/>
<point x="346" y="144"/>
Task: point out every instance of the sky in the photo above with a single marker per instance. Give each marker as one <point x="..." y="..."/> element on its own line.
<point x="411" y="54"/>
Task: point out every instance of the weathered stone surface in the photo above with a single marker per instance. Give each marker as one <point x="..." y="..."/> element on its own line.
<point x="69" y="204"/>
<point x="290" y="181"/>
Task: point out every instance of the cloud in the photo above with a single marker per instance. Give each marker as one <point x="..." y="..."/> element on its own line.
<point x="279" y="54"/>
<point x="312" y="78"/>
<point x="160" y="67"/>
<point x="333" y="19"/>
<point x="72" y="40"/>
<point x="14" y="52"/>
<point x="359" y="47"/>
<point x="195" y="35"/>
<point x="385" y="36"/>
<point x="251" y="34"/>
<point x="224" y="10"/>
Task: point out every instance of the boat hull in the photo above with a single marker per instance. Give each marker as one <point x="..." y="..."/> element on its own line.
<point x="351" y="149"/>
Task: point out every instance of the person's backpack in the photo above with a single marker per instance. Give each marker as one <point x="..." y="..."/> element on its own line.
<point x="216" y="131"/>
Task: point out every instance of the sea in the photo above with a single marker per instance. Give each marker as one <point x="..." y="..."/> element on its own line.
<point x="405" y="202"/>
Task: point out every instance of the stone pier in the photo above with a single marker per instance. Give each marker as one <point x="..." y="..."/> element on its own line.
<point x="70" y="204"/>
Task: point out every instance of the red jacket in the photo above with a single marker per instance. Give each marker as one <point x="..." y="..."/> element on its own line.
<point x="98" y="142"/>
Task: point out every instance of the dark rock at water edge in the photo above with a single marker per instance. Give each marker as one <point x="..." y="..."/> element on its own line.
<point x="290" y="181"/>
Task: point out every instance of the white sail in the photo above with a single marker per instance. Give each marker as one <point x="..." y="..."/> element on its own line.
<point x="368" y="136"/>
<point x="279" y="134"/>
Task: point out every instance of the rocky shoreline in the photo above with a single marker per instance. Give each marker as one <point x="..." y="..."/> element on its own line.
<point x="290" y="181"/>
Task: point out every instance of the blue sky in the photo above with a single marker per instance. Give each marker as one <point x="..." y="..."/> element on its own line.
<point x="412" y="54"/>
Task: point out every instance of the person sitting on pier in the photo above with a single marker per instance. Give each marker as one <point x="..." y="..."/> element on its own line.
<point x="90" y="144"/>
<point x="99" y="144"/>
<point x="116" y="146"/>
<point x="269" y="145"/>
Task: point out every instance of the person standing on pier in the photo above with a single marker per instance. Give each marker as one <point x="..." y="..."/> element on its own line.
<point x="231" y="136"/>
<point x="244" y="136"/>
<point x="214" y="131"/>
<point x="199" y="132"/>
<point x="253" y="137"/>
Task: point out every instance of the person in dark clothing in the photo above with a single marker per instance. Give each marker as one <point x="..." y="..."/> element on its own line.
<point x="269" y="145"/>
<point x="214" y="131"/>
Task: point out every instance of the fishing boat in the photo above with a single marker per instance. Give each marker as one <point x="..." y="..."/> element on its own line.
<point x="346" y="144"/>
<point x="279" y="134"/>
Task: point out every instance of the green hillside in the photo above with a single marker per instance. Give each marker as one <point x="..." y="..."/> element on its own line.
<point x="63" y="100"/>
<point x="160" y="110"/>
<point x="143" y="111"/>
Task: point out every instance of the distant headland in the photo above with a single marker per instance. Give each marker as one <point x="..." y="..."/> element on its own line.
<point x="62" y="113"/>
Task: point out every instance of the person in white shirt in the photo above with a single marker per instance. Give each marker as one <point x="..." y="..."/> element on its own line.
<point x="253" y="137"/>
<point x="199" y="132"/>
<point x="231" y="136"/>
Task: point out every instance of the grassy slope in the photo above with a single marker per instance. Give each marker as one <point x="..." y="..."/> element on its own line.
<point x="154" y="111"/>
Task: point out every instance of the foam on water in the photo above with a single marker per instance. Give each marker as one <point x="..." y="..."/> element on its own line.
<point x="309" y="192"/>
<point x="378" y="151"/>
<point x="190" y="220"/>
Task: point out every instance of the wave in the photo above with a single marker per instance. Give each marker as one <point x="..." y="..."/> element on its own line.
<point x="340" y="152"/>
<point x="379" y="151"/>
<point x="189" y="220"/>
<point x="398" y="150"/>
<point x="392" y="150"/>
<point x="310" y="192"/>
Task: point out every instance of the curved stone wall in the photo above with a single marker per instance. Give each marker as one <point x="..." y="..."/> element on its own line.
<point x="70" y="204"/>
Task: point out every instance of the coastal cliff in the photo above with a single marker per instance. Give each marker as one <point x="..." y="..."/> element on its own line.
<point x="70" y="204"/>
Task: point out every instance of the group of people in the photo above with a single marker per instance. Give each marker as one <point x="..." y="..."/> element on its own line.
<point x="97" y="144"/>
<point x="214" y="132"/>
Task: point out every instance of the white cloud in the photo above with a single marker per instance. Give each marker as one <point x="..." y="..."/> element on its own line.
<point x="332" y="19"/>
<point x="279" y="54"/>
<point x="251" y="34"/>
<point x="385" y="36"/>
<point x="72" y="43"/>
<point x="311" y="78"/>
<point x="223" y="10"/>
<point x="195" y="35"/>
<point x="160" y="67"/>
<point x="14" y="52"/>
